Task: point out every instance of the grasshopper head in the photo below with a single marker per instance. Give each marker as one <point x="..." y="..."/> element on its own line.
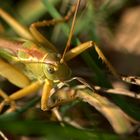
<point x="53" y="69"/>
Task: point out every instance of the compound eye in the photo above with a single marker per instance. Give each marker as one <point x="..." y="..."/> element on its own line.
<point x="50" y="70"/>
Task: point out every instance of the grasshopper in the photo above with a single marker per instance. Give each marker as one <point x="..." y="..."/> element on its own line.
<point x="46" y="66"/>
<point x="43" y="62"/>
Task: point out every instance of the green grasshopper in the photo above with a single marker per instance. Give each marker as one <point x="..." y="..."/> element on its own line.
<point x="43" y="63"/>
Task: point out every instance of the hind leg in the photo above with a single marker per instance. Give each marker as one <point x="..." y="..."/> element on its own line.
<point x="18" y="94"/>
<point x="7" y="100"/>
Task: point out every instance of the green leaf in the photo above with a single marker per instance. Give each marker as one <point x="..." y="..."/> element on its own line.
<point x="52" y="131"/>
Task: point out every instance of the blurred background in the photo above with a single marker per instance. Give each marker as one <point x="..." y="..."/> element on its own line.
<point x="115" y="26"/>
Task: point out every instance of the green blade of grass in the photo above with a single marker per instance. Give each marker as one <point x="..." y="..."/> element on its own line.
<point x="53" y="131"/>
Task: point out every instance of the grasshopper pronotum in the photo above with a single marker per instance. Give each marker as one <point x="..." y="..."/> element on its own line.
<point x="46" y="65"/>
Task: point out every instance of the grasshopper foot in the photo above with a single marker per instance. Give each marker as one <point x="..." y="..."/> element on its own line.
<point x="7" y="101"/>
<point x="10" y="102"/>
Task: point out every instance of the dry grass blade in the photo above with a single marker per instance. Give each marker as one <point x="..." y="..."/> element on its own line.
<point x="3" y="136"/>
<point x="132" y="79"/>
<point x="118" y="91"/>
<point x="119" y="121"/>
<point x="112" y="112"/>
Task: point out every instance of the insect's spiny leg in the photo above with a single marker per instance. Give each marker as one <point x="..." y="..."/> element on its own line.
<point x="39" y="37"/>
<point x="77" y="50"/>
<point x="70" y="13"/>
<point x="105" y="60"/>
<point x="82" y="47"/>
<point x="7" y="100"/>
<point x="55" y="21"/>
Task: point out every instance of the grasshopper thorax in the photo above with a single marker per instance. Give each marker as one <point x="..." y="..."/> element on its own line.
<point x="42" y="63"/>
<point x="53" y="69"/>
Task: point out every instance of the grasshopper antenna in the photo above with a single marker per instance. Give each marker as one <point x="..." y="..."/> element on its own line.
<point x="71" y="32"/>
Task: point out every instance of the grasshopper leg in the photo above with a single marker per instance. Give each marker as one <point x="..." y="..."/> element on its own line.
<point x="19" y="94"/>
<point x="6" y="98"/>
<point x="45" y="94"/>
<point x="82" y="47"/>
<point x="39" y="37"/>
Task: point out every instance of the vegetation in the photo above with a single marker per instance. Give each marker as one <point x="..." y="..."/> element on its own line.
<point x="110" y="109"/>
